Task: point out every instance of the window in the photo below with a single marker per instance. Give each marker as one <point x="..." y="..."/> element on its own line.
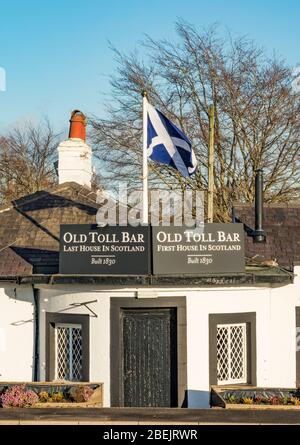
<point x="231" y="353"/>
<point x="232" y="348"/>
<point x="67" y="347"/>
<point x="68" y="352"/>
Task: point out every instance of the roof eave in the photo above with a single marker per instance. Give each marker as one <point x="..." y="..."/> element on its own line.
<point x="224" y="280"/>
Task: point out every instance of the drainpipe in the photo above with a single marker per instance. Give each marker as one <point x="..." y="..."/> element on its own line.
<point x="36" y="334"/>
<point x="259" y="234"/>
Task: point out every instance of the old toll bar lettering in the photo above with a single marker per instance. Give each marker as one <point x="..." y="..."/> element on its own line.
<point x="210" y="248"/>
<point x="94" y="237"/>
<point x="89" y="249"/>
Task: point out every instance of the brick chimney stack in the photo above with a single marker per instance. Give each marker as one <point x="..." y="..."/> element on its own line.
<point x="74" y="155"/>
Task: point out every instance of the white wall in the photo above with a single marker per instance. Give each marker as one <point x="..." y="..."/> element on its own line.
<point x="16" y="334"/>
<point x="202" y="303"/>
<point x="275" y="336"/>
<point x="59" y="301"/>
<point x="75" y="162"/>
<point x="275" y="333"/>
<point x="282" y="332"/>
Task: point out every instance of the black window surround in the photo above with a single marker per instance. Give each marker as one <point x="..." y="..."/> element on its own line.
<point x="243" y="317"/>
<point x="53" y="318"/>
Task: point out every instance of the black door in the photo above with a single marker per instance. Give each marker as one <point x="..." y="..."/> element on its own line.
<point x="149" y="349"/>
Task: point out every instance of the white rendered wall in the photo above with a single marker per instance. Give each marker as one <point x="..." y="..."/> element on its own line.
<point x="75" y="162"/>
<point x="283" y="335"/>
<point x="59" y="301"/>
<point x="218" y="301"/>
<point x="16" y="334"/>
<point x="275" y="330"/>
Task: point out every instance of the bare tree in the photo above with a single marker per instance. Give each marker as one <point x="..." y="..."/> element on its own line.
<point x="257" y="115"/>
<point x="27" y="155"/>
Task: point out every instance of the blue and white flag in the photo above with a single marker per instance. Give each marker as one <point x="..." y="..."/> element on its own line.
<point x="167" y="144"/>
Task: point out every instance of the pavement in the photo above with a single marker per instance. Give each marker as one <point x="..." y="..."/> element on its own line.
<point x="147" y="416"/>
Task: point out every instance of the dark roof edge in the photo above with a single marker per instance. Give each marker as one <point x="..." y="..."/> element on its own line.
<point x="246" y="279"/>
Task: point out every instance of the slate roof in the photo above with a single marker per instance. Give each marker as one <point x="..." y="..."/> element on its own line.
<point x="29" y="229"/>
<point x="281" y="224"/>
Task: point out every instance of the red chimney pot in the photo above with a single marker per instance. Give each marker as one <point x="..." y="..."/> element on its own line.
<point x="77" y="125"/>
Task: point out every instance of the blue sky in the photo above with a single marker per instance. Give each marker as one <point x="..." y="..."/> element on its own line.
<point x="56" y="56"/>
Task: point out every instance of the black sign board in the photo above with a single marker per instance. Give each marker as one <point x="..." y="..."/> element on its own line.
<point x="93" y="250"/>
<point x="211" y="249"/>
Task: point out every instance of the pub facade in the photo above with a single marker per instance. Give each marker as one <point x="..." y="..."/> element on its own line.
<point x="147" y="311"/>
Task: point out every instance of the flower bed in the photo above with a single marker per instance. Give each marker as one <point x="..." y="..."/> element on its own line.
<point x="50" y="394"/>
<point x="255" y="398"/>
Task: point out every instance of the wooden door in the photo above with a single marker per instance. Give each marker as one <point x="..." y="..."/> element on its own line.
<point x="149" y="357"/>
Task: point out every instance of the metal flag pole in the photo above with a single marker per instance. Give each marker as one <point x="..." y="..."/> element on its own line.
<point x="210" y="198"/>
<point x="145" y="160"/>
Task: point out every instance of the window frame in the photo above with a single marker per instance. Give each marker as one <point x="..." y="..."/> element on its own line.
<point x="244" y="367"/>
<point x="249" y="318"/>
<point x="66" y="326"/>
<point x="53" y="319"/>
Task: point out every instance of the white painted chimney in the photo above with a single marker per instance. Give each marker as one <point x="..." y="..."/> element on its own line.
<point x="74" y="155"/>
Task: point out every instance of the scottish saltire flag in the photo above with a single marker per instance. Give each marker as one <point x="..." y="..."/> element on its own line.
<point x="167" y="144"/>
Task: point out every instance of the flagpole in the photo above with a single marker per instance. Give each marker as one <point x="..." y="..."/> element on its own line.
<point x="210" y="198"/>
<point x="145" y="160"/>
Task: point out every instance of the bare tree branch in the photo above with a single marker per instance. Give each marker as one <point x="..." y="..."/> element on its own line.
<point x="257" y="118"/>
<point x="27" y="155"/>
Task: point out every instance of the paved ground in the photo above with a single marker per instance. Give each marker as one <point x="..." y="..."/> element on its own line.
<point x="146" y="416"/>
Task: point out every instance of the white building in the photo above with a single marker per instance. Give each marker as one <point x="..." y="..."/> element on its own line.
<point x="152" y="340"/>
